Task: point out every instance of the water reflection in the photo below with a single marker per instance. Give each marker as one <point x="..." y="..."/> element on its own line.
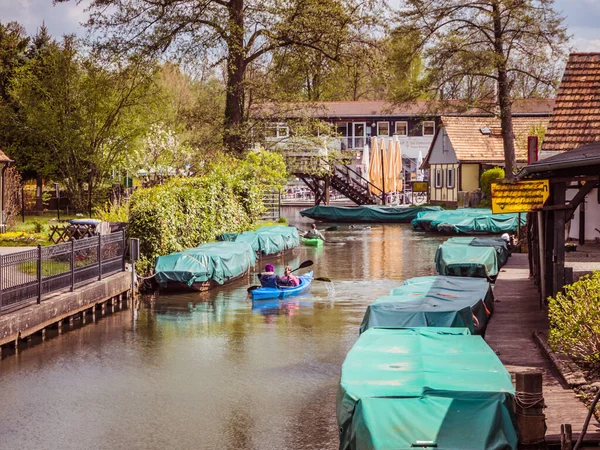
<point x="212" y="370"/>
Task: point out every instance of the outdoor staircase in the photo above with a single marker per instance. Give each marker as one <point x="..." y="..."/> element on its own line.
<point x="341" y="178"/>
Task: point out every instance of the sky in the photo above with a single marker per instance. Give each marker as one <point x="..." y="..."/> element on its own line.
<point x="582" y="18"/>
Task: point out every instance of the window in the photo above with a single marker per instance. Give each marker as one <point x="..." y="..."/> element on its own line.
<point x="383" y="129"/>
<point x="402" y="128"/>
<point x="277" y="130"/>
<point x="438" y="178"/>
<point x="428" y="128"/>
<point x="450" y="178"/>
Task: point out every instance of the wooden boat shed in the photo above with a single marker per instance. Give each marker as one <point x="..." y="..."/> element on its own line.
<point x="572" y="175"/>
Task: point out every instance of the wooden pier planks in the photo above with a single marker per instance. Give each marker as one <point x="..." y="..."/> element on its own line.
<point x="516" y="315"/>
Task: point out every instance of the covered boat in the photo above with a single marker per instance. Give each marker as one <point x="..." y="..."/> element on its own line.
<point x="267" y="240"/>
<point x="366" y="214"/>
<point x="290" y="236"/>
<point x="498" y="244"/>
<point x="468" y="221"/>
<point x="284" y="291"/>
<point x="424" y="387"/>
<point x="434" y="301"/>
<point x="467" y="261"/>
<point x="206" y="266"/>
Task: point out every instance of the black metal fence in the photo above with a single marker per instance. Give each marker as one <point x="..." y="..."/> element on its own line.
<point x="31" y="274"/>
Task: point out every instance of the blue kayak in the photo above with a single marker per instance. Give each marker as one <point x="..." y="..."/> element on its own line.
<point x="284" y="291"/>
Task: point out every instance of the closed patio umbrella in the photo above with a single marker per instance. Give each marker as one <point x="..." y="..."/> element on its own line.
<point x="420" y="174"/>
<point x="391" y="174"/>
<point x="398" y="165"/>
<point x="375" y="167"/>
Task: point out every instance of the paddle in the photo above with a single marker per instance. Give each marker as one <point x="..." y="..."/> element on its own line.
<point x="327" y="280"/>
<point x="305" y="264"/>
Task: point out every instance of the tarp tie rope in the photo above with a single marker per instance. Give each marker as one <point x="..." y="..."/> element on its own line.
<point x="486" y="308"/>
<point x="526" y="400"/>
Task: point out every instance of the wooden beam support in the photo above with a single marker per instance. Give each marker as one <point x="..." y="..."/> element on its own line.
<point x="558" y="250"/>
<point x="583" y="191"/>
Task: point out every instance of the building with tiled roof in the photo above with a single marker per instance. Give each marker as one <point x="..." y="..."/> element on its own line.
<point x="576" y="115"/>
<point x="465" y="146"/>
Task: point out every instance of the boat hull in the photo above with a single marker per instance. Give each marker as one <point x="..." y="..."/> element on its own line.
<point x="283" y="292"/>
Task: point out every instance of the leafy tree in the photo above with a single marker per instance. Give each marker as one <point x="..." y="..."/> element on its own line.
<point x="86" y="118"/>
<point x="237" y="32"/>
<point x="475" y="47"/>
<point x="13" y="44"/>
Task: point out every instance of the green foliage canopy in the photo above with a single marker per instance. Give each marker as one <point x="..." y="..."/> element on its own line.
<point x="488" y="177"/>
<point x="185" y="212"/>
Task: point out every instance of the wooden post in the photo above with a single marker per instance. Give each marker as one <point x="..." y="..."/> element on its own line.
<point x="582" y="222"/>
<point x="59" y="326"/>
<point x="548" y="246"/>
<point x="566" y="437"/>
<point x="71" y="321"/>
<point x="542" y="257"/>
<point x="558" y="268"/>
<point x="529" y="404"/>
<point x="326" y="193"/>
<point x="43" y="333"/>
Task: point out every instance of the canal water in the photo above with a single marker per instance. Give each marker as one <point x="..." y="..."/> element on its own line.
<point x="210" y="371"/>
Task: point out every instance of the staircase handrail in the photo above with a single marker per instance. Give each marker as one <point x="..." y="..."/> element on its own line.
<point x="361" y="178"/>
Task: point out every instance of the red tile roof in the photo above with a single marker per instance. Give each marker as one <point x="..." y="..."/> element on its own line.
<point x="576" y="116"/>
<point x="331" y="110"/>
<point x="471" y="145"/>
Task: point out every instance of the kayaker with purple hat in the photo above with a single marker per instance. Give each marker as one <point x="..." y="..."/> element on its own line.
<point x="268" y="277"/>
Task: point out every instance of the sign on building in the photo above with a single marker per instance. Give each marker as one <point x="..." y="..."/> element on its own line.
<point x="521" y="196"/>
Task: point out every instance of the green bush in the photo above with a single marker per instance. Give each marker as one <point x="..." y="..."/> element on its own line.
<point x="488" y="177"/>
<point x="185" y="212"/>
<point x="38" y="226"/>
<point x="575" y="319"/>
<point x="113" y="212"/>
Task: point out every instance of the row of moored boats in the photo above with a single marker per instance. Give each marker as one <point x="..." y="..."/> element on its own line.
<point x="420" y="374"/>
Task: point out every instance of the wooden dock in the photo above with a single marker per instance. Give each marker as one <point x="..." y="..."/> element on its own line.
<point x="517" y="315"/>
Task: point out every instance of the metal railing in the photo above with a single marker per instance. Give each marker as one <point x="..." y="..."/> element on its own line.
<point x="32" y="274"/>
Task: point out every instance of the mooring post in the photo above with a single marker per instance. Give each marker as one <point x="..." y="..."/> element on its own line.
<point x="566" y="437"/>
<point x="529" y="404"/>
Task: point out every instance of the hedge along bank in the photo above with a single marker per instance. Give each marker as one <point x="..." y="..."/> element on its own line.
<point x="185" y="212"/>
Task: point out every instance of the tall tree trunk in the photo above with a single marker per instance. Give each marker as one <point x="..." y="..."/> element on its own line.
<point x="504" y="97"/>
<point x="234" y="135"/>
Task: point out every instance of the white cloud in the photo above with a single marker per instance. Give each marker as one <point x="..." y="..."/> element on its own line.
<point x="585" y="45"/>
<point x="63" y="18"/>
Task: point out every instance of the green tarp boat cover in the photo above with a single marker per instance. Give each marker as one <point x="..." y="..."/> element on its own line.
<point x="366" y="214"/>
<point x="467" y="261"/>
<point x="268" y="240"/>
<point x="290" y="236"/>
<point x="424" y="387"/>
<point x="468" y="221"/>
<point x="435" y="301"/>
<point x="218" y="261"/>
<point x="498" y="244"/>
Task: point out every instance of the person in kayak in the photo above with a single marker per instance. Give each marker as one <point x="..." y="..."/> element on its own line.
<point x="314" y="233"/>
<point x="268" y="277"/>
<point x="288" y="279"/>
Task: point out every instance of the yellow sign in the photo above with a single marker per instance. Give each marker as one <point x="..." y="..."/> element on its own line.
<point x="420" y="186"/>
<point x="521" y="196"/>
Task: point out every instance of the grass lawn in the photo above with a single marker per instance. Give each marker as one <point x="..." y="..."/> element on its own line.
<point x="35" y="228"/>
<point x="47" y="269"/>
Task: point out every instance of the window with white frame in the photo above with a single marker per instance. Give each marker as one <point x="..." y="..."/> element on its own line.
<point x="439" y="182"/>
<point x="402" y="128"/>
<point x="277" y="130"/>
<point x="383" y="129"/>
<point x="428" y="128"/>
<point x="450" y="178"/>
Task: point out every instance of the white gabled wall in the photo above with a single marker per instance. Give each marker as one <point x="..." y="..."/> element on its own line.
<point x="592" y="216"/>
